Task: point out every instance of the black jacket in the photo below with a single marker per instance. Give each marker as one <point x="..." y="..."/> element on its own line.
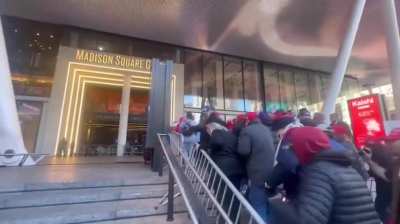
<point x="223" y="151"/>
<point x="256" y="146"/>
<point x="331" y="191"/>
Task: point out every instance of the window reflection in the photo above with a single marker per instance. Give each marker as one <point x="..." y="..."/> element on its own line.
<point x="233" y="84"/>
<point x="213" y="80"/>
<point x="193" y="79"/>
<point x="316" y="88"/>
<point x="286" y="89"/>
<point x="302" y="89"/>
<point x="271" y="84"/>
<point x="252" y="93"/>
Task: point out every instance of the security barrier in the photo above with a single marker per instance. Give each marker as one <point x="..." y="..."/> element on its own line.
<point x="220" y="201"/>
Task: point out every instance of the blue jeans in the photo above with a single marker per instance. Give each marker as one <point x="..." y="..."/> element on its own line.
<point x="259" y="200"/>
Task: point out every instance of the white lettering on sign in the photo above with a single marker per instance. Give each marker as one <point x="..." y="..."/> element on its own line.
<point x="362" y="102"/>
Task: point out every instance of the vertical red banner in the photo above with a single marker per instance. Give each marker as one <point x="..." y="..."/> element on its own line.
<point x="367" y="118"/>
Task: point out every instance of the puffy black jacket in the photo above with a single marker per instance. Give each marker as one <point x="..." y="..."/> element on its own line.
<point x="331" y="191"/>
<point x="222" y="148"/>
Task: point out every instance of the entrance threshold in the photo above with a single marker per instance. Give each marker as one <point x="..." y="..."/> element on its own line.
<point x="82" y="160"/>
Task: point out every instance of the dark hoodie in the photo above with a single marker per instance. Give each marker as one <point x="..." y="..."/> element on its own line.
<point x="331" y="191"/>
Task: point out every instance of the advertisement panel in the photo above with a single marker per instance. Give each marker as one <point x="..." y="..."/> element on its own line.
<point x="367" y="118"/>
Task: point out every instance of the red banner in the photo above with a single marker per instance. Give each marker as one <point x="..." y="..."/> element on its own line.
<point x="367" y="118"/>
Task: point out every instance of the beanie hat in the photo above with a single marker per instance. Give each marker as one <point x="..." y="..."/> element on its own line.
<point x="281" y="120"/>
<point x="265" y="118"/>
<point x="251" y="116"/>
<point x="307" y="142"/>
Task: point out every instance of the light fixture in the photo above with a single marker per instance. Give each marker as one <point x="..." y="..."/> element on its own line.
<point x="101" y="48"/>
<point x="35" y="40"/>
<point x="51" y="36"/>
<point x="37" y="34"/>
<point x="16" y="30"/>
<point x="30" y="45"/>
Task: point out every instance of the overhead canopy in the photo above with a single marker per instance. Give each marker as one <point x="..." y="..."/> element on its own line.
<point x="305" y="33"/>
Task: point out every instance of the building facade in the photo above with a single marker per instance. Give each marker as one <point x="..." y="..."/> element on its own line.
<point x="69" y="85"/>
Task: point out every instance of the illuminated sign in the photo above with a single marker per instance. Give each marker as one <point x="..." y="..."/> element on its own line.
<point x="95" y="57"/>
<point x="367" y="118"/>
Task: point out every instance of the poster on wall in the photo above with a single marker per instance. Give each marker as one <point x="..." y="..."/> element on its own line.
<point x="367" y="117"/>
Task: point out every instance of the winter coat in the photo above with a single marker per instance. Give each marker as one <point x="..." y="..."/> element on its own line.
<point x="331" y="191"/>
<point x="256" y="146"/>
<point x="222" y="149"/>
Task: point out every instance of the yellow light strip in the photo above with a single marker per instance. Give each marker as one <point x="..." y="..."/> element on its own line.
<point x="79" y="117"/>
<point x="72" y="94"/>
<point x="76" y="102"/>
<point x="91" y="71"/>
<point x="80" y="108"/>
<point x="173" y="91"/>
<point x="74" y="115"/>
<point x="141" y="77"/>
<point x="62" y="111"/>
<point x="114" y="68"/>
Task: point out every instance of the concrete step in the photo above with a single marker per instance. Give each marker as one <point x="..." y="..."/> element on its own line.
<point x="179" y="218"/>
<point x="44" y="186"/>
<point x="75" y="196"/>
<point x="87" y="212"/>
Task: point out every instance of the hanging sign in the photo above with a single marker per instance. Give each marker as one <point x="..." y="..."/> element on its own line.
<point x="367" y="119"/>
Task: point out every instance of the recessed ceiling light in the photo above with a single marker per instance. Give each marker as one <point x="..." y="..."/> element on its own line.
<point x="37" y="34"/>
<point x="51" y="36"/>
<point x="101" y="48"/>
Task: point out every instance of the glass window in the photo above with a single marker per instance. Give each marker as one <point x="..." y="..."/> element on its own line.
<point x="324" y="85"/>
<point x="213" y="80"/>
<point x="32" y="49"/>
<point x="286" y="89"/>
<point x="252" y="93"/>
<point x="193" y="79"/>
<point x="316" y="88"/>
<point x="271" y="85"/>
<point x="233" y="84"/>
<point x="29" y="113"/>
<point x="302" y="89"/>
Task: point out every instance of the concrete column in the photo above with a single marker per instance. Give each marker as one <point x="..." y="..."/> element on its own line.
<point x="393" y="48"/>
<point x="11" y="140"/>
<point x="343" y="60"/>
<point x="123" y="116"/>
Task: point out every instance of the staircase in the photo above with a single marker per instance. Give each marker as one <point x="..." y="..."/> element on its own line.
<point x="102" y="201"/>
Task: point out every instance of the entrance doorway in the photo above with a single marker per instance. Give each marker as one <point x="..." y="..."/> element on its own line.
<point x="99" y="135"/>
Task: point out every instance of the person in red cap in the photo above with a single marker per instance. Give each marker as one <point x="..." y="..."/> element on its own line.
<point x="330" y="190"/>
<point x="256" y="147"/>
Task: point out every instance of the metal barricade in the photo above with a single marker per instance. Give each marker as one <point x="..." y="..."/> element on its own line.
<point x="223" y="203"/>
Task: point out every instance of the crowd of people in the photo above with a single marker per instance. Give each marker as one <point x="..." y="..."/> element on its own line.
<point x="316" y="167"/>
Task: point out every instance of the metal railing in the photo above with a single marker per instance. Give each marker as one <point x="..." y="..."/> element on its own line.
<point x="36" y="157"/>
<point x="221" y="201"/>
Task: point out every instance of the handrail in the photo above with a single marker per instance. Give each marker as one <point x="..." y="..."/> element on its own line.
<point x="223" y="202"/>
<point x="195" y="211"/>
<point x="239" y="195"/>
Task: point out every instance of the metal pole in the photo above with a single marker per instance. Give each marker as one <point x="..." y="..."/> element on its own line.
<point x="11" y="140"/>
<point x="393" y="48"/>
<point x="170" y="209"/>
<point x="343" y="60"/>
<point x="124" y="116"/>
